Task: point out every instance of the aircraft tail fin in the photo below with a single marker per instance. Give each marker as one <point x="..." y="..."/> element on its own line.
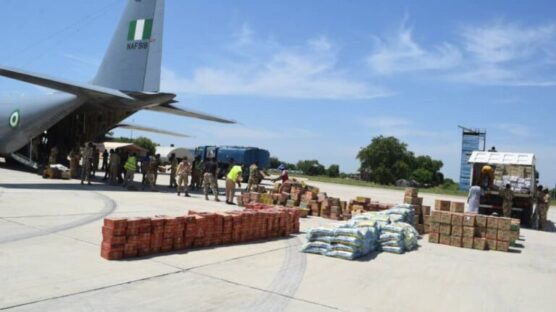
<point x="132" y="62"/>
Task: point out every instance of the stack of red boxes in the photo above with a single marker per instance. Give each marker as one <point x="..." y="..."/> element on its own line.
<point x="113" y="238"/>
<point x="125" y="238"/>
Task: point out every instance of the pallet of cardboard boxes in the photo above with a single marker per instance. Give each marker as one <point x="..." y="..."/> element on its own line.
<point x="473" y="230"/>
<point x="132" y="237"/>
<point x="422" y="212"/>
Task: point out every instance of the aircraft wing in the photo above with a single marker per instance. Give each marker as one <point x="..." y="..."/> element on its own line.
<point x="149" y="129"/>
<point x="63" y="85"/>
<point x="171" y="109"/>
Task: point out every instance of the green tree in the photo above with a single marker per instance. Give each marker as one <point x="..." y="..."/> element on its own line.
<point x="311" y="167"/>
<point x="385" y="160"/>
<point x="143" y="142"/>
<point x="422" y="176"/>
<point x="146" y="143"/>
<point x="333" y="171"/>
<point x="275" y="162"/>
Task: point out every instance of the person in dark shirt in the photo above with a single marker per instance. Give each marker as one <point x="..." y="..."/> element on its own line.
<point x="209" y="178"/>
<point x="104" y="161"/>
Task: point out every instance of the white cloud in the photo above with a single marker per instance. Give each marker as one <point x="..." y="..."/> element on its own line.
<point x="501" y="42"/>
<point x="498" y="53"/>
<point x="268" y="69"/>
<point x="509" y="54"/>
<point x="398" y="127"/>
<point x="402" y="53"/>
<point x="246" y="133"/>
<point x="514" y="129"/>
<point x="244" y="36"/>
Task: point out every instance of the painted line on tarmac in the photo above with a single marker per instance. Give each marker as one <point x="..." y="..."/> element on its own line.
<point x="291" y="246"/>
<point x="109" y="207"/>
<point x="286" y="281"/>
<point x="87" y="291"/>
<point x="268" y="292"/>
<point x="68" y="215"/>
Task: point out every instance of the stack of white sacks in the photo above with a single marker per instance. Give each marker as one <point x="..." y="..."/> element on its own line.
<point x="341" y="242"/>
<point x="388" y="230"/>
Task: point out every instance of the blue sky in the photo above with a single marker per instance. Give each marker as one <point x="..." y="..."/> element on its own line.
<point x="319" y="79"/>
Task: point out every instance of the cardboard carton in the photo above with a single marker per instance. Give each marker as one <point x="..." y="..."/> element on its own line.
<point x="456" y="241"/>
<point x="492" y="222"/>
<point x="504" y="224"/>
<point x="445" y="239"/>
<point x="479" y="243"/>
<point x="458" y="207"/>
<point x="436" y="215"/>
<point x="445" y="229"/>
<point x="435" y="227"/>
<point x="503" y="235"/>
<point x="468" y="231"/>
<point x="442" y="205"/>
<point x="480" y="232"/>
<point x="467" y="242"/>
<point x="411" y="192"/>
<point x="481" y="221"/>
<point x="457" y="219"/>
<point x="446" y="218"/>
<point x="434" y="238"/>
<point x="502" y="246"/>
<point x="469" y="220"/>
<point x="457" y="230"/>
<point x="491" y="244"/>
<point x="491" y="233"/>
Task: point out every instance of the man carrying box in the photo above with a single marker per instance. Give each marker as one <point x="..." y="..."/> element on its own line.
<point x="233" y="177"/>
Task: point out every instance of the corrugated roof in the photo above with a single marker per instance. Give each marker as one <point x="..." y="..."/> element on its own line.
<point x="501" y="158"/>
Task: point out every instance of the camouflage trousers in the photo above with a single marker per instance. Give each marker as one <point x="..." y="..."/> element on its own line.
<point x="210" y="181"/>
<point x="183" y="181"/>
<point x="543" y="212"/>
<point x="86" y="171"/>
<point x="507" y="210"/>
<point x="252" y="184"/>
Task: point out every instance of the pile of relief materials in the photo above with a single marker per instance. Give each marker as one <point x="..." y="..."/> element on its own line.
<point x="341" y="242"/>
<point x="388" y="231"/>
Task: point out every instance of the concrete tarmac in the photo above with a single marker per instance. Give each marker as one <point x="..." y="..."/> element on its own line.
<point x="50" y="234"/>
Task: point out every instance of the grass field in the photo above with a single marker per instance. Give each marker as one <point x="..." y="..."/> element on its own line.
<point x="434" y="190"/>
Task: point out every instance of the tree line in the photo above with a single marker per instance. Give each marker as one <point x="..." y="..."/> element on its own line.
<point x="384" y="161"/>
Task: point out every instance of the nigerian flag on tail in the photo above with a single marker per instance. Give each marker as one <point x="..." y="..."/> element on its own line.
<point x="140" y="30"/>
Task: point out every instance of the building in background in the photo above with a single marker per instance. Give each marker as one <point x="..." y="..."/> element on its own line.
<point x="471" y="140"/>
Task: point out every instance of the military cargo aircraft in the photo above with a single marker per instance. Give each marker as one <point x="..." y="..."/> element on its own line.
<point x="127" y="81"/>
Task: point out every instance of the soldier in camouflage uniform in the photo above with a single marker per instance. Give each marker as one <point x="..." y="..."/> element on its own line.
<point x="183" y="171"/>
<point x="196" y="173"/>
<point x="508" y="198"/>
<point x="87" y="159"/>
<point x="255" y="177"/>
<point x="209" y="178"/>
<point x="542" y="206"/>
<point x="173" y="169"/>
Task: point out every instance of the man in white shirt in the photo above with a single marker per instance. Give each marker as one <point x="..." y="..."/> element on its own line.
<point x="474" y="199"/>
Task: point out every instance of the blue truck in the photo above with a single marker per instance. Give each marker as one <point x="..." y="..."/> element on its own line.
<point x="242" y="155"/>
